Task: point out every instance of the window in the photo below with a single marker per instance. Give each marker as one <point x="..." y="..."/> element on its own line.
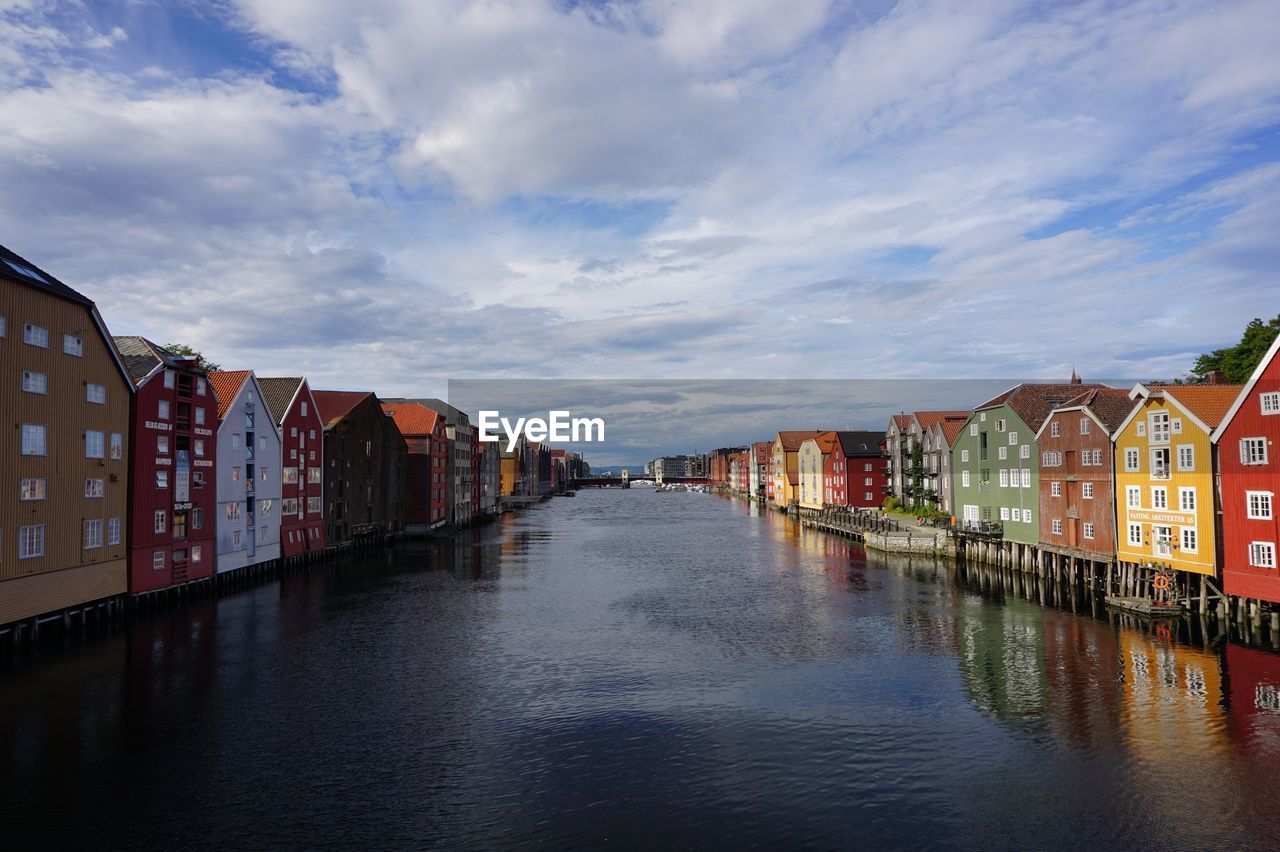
<point x="94" y="445"/>
<point x="235" y="474"/>
<point x="235" y="441"/>
<point x="1003" y="453"/>
<point x="1175" y="425"/>
<point x="1262" y="554"/>
<point x="1085" y="425"/>
<point x="97" y="394"/>
<point x="198" y="447"/>
<point x="1159" y="427"/>
<point x="72" y="345"/>
<point x="1026" y="515"/>
<point x="117" y="446"/>
<point x="35" y="335"/>
<point x="33" y="489"/>
<point x="162" y="479"/>
<point x="313" y="475"/>
<point x="1132" y="460"/>
<point x="162" y="410"/>
<point x="1133" y="496"/>
<point x="1004" y="513"/>
<point x="93" y="533"/>
<point x="1135" y="534"/>
<point x="1000" y="424"/>
<point x="197" y="479"/>
<point x="311" y="455"/>
<point x="1187" y="499"/>
<point x="233" y="511"/>
<point x="93" y="489"/>
<point x="162" y="444"/>
<point x="1140" y="428"/>
<point x="1055" y="429"/>
<point x="973" y="429"/>
<point x="265" y="508"/>
<point x="1253" y="450"/>
<point x="1024" y="452"/>
<point x="1189" y="540"/>
<point x="1186" y="457"/>
<point x="1270" y="402"/>
<point x="197" y="518"/>
<point x="179" y="525"/>
<point x="262" y="442"/>
<point x="293" y="431"/>
<point x="304" y="409"/>
<point x="113" y="531"/>
<point x="199" y="415"/>
<point x="1057" y="526"/>
<point x="1013" y="438"/>
<point x="200" y="387"/>
<point x="1159" y="497"/>
<point x="1004" y="478"/>
<point x="1055" y="489"/>
<point x="313" y="505"/>
<point x="157" y="560"/>
<point x="31" y="541"/>
<point x="1086" y="491"/>
<point x="262" y="474"/>
<point x="1088" y="530"/>
<point x="1026" y="477"/>
<point x="964" y="455"/>
<point x="289" y="506"/>
<point x="312" y="435"/>
<point x="1160" y="468"/>
<point x="3" y="327"/>
<point x="34" y="382"/>
<point x="235" y="538"/>
<point x="1259" y="503"/>
<point x="964" y="479"/>
<point x="169" y="379"/>
<point x="159" y="521"/>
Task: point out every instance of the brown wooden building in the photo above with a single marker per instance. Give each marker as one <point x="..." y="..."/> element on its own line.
<point x="64" y="465"/>
<point x="365" y="467"/>
<point x="1077" y="500"/>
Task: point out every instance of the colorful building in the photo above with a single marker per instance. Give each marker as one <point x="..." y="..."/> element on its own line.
<point x="297" y="420"/>
<point x="785" y="465"/>
<point x="1077" y="505"/>
<point x="854" y="470"/>
<point x="1248" y="446"/>
<point x="898" y="449"/>
<point x="173" y="501"/>
<point x="429" y="471"/>
<point x="247" y="470"/>
<point x="811" y="465"/>
<point x="995" y="462"/>
<point x="1165" y="476"/>
<point x="66" y="469"/>
<point x="366" y="468"/>
<point x="758" y="476"/>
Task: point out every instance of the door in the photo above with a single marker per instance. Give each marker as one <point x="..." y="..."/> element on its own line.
<point x="252" y="543"/>
<point x="1162" y="542"/>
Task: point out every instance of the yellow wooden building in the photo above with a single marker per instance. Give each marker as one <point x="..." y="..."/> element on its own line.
<point x="1164" y="476"/>
<point x="810" y="463"/>
<point x="786" y="466"/>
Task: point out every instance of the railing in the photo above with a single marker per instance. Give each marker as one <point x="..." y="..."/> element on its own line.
<point x="995" y="529"/>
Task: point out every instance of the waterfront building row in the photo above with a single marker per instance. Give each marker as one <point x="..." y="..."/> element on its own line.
<point x="134" y="470"/>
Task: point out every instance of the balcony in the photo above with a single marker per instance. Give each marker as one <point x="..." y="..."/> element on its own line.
<point x="1160" y="472"/>
<point x="990" y="529"/>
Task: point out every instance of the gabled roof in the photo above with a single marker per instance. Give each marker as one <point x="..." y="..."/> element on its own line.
<point x="824" y="441"/>
<point x="278" y="394"/>
<point x="1247" y="389"/>
<point x="143" y="357"/>
<point x="791" y="441"/>
<point x="902" y="421"/>
<point x="860" y="443"/>
<point x="335" y="405"/>
<point x="412" y="418"/>
<point x="226" y="385"/>
<point x="1206" y="405"/>
<point x="929" y="419"/>
<point x="1033" y="402"/>
<point x="761" y="446"/>
<point x="952" y="428"/>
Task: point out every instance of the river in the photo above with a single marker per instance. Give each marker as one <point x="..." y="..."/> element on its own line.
<point x="629" y="668"/>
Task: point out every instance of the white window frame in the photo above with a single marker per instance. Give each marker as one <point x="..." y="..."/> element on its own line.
<point x="1189" y="539"/>
<point x="113" y="531"/>
<point x="1132" y="460"/>
<point x="1189" y="451"/>
<point x="95" y="394"/>
<point x="1086" y="491"/>
<point x="1055" y="489"/>
<point x="1088" y="529"/>
<point x="1057" y="526"/>
<point x="72" y="345"/>
<point x="1269" y="402"/>
<point x="1026" y="477"/>
<point x="92" y="533"/>
<point x="1135" y="534"/>
<point x="160" y="521"/>
<point x="1259" y="505"/>
<point x="1159" y="497"/>
<point x="1188" y="501"/>
<point x="95" y="444"/>
<point x="1253" y="451"/>
<point x="31" y="541"/>
<point x="1262" y="554"/>
<point x="1133" y="496"/>
<point x="33" y="488"/>
<point x="33" y="382"/>
<point x="35" y="335"/>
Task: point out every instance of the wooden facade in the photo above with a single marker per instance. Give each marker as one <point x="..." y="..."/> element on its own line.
<point x="1077" y="502"/>
<point x="65" y="464"/>
<point x="365" y="467"/>
<point x="1248" y="453"/>
<point x="429" y="471"/>
<point x="297" y="421"/>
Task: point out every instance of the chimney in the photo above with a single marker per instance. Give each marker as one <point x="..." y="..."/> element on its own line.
<point x="1215" y="377"/>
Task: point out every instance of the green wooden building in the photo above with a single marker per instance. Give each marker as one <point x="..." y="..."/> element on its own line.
<point x="995" y="464"/>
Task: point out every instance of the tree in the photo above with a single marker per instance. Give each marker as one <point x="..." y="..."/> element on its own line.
<point x="1238" y="362"/>
<point x="184" y="351"/>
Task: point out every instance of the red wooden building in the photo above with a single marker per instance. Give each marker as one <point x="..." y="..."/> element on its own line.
<point x="1077" y="499"/>
<point x="1247" y="446"/>
<point x="297" y="418"/>
<point x="424" y="433"/>
<point x="853" y="472"/>
<point x="173" y="485"/>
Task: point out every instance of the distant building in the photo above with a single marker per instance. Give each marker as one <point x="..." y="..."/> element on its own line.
<point x="758" y="474"/>
<point x="811" y="464"/>
<point x="297" y="419"/>
<point x="854" y="470"/>
<point x="429" y="469"/>
<point x="785" y="465"/>
<point x="460" y="486"/>
<point x="65" y="466"/>
<point x="366" y="465"/>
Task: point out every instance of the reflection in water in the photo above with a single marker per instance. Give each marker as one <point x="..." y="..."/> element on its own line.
<point x="628" y="667"/>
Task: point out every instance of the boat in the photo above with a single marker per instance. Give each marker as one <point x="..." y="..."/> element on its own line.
<point x="571" y="493"/>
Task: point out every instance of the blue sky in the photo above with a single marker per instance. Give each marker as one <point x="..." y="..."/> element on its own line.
<point x="391" y="194"/>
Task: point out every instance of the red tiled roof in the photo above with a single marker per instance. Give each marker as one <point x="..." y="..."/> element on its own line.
<point x="226" y="384"/>
<point x="826" y="442"/>
<point x="1110" y="405"/>
<point x="412" y="418"/>
<point x="791" y="441"/>
<point x="951" y="428"/>
<point x="1209" y="403"/>
<point x="929" y="419"/>
<point x="1033" y="402"/>
<point x="335" y="405"/>
<point x="903" y="420"/>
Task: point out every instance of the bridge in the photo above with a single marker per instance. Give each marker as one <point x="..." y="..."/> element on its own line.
<point x="622" y="482"/>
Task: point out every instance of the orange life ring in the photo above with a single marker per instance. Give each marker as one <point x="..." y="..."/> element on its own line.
<point x="1161" y="582"/>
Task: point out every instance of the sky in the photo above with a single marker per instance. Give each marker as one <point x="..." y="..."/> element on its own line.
<point x="390" y="194"/>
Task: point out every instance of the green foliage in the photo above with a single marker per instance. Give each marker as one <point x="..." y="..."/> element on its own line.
<point x="185" y="351"/>
<point x="892" y="504"/>
<point x="1238" y="362"/>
